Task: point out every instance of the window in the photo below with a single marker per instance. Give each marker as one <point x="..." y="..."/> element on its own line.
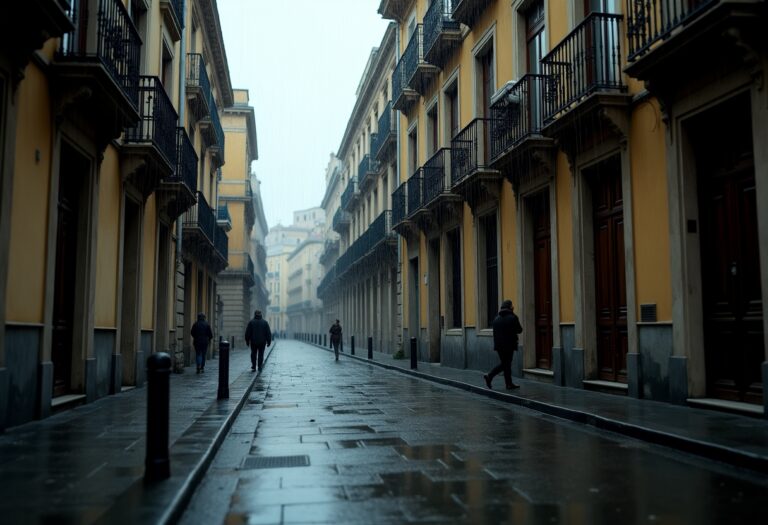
<point x="454" y="273"/>
<point x="452" y="110"/>
<point x="535" y="36"/>
<point x="486" y="82"/>
<point x="167" y="70"/>
<point x="432" y="138"/>
<point x="488" y="270"/>
<point x="413" y="151"/>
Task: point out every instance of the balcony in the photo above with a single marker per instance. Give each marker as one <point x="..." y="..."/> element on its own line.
<point x="586" y="62"/>
<point x="403" y="97"/>
<point x="178" y="189"/>
<point x="418" y="74"/>
<point x="415" y="184"/>
<point x="438" y="202"/>
<point x="399" y="209"/>
<point x="367" y="171"/>
<point x="324" y="289"/>
<point x="518" y="116"/>
<point x="442" y="34"/>
<point x="383" y="148"/>
<point x="173" y="12"/>
<point x="394" y="9"/>
<point x="375" y="243"/>
<point x="221" y="249"/>
<point x="213" y="133"/>
<point x="471" y="173"/>
<point x="674" y="41"/>
<point x="198" y="86"/>
<point x="97" y="69"/>
<point x="223" y="218"/>
<point x="468" y="11"/>
<point x="199" y="236"/>
<point x="149" y="148"/>
<point x="330" y="250"/>
<point x="341" y="220"/>
<point x="349" y="195"/>
<point x="298" y="307"/>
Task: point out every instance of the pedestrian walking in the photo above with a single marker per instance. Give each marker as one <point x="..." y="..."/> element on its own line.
<point x="506" y="326"/>
<point x="201" y="337"/>
<point x="336" y="337"/>
<point x="257" y="337"/>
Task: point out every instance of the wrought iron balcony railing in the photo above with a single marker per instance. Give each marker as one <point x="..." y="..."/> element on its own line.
<point x="117" y="44"/>
<point x="349" y="194"/>
<point x="218" y="132"/>
<point x="367" y="170"/>
<point x="415" y="192"/>
<point x="185" y="171"/>
<point x="379" y="232"/>
<point x="649" y="21"/>
<point x="470" y="149"/>
<point x="585" y="61"/>
<point x="221" y="242"/>
<point x="517" y="114"/>
<point x="398" y="86"/>
<point x="385" y="134"/>
<point x="340" y="220"/>
<point x="326" y="282"/>
<point x="436" y="173"/>
<point x="416" y="69"/>
<point x="399" y="208"/>
<point x="437" y="22"/>
<point x="200" y="216"/>
<point x="223" y="218"/>
<point x="249" y="266"/>
<point x="197" y="80"/>
<point x="157" y="120"/>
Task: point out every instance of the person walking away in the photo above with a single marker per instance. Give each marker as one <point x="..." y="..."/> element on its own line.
<point x="335" y="337"/>
<point x="201" y="337"/>
<point x="506" y="327"/>
<point x="257" y="336"/>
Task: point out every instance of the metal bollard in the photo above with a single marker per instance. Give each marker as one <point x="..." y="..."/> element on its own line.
<point x="157" y="464"/>
<point x="324" y="339"/>
<point x="370" y="347"/>
<point x="223" y="370"/>
<point x="414" y="362"/>
<point x="352" y="343"/>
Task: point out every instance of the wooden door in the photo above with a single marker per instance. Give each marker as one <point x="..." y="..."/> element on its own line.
<point x="730" y="259"/>
<point x="65" y="273"/>
<point x="542" y="278"/>
<point x="610" y="284"/>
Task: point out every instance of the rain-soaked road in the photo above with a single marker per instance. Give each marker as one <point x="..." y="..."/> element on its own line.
<point x="381" y="447"/>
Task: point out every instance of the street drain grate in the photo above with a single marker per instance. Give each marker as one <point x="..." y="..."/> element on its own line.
<point x="275" y="462"/>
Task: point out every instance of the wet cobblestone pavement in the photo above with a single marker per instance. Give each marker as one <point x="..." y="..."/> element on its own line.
<point x="321" y="441"/>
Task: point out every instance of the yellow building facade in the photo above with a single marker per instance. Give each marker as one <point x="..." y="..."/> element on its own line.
<point x="553" y="153"/>
<point x="111" y="152"/>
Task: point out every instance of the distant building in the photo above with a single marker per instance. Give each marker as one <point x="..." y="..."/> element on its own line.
<point x="304" y="272"/>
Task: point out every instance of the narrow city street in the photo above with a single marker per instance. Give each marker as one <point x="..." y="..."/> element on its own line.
<point x="321" y="441"/>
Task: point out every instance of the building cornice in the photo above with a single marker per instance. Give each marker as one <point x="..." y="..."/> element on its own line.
<point x="209" y="15"/>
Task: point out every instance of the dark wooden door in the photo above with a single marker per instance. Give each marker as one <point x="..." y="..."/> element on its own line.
<point x="610" y="284"/>
<point x="730" y="259"/>
<point x="65" y="275"/>
<point x="542" y="278"/>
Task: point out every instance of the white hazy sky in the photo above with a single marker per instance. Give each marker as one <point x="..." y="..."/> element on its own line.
<point x="301" y="60"/>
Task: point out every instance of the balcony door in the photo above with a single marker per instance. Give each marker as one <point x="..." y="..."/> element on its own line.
<point x="542" y="278"/>
<point x="536" y="45"/>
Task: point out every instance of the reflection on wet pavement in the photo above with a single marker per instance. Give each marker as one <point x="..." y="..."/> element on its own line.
<point x="385" y="448"/>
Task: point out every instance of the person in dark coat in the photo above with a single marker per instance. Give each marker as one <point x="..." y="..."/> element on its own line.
<point x="506" y="327"/>
<point x="201" y="337"/>
<point x="335" y="337"/>
<point x="257" y="336"/>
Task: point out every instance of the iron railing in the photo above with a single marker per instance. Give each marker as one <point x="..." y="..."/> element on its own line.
<point x="218" y="131"/>
<point x="435" y="173"/>
<point x="250" y="268"/>
<point x="197" y="77"/>
<point x="117" y="46"/>
<point x="221" y="242"/>
<point x="368" y="167"/>
<point x="415" y="192"/>
<point x="379" y="231"/>
<point x="413" y="54"/>
<point x="201" y="216"/>
<point x="157" y="119"/>
<point x="399" y="208"/>
<point x="385" y="131"/>
<point x="339" y="218"/>
<point x="326" y="282"/>
<point x="518" y="114"/>
<point x="470" y="149"/>
<point x="222" y="214"/>
<point x="649" y="21"/>
<point x="349" y="193"/>
<point x="437" y="20"/>
<point x="186" y="161"/>
<point x="398" y="81"/>
<point x="585" y="61"/>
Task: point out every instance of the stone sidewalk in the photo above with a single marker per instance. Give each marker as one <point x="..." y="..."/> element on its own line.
<point x="86" y="465"/>
<point x="731" y="438"/>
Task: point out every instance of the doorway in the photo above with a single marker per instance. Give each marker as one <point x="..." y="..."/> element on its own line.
<point x="730" y="259"/>
<point x="610" y="278"/>
<point x="73" y="173"/>
<point x="434" y="303"/>
<point x="414" y="302"/>
<point x="542" y="277"/>
<point x="129" y="322"/>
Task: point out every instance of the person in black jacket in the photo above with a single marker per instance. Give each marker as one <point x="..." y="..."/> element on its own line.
<point x="506" y="326"/>
<point x="257" y="336"/>
<point x="201" y="337"/>
<point x="335" y="337"/>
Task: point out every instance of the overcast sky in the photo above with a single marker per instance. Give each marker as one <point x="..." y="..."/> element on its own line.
<point x="301" y="60"/>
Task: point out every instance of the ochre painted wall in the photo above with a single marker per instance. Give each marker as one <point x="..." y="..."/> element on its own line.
<point x="565" y="238"/>
<point x="29" y="210"/>
<point x="650" y="209"/>
<point x="509" y="255"/>
<point x="237" y="234"/>
<point x="108" y="240"/>
<point x="148" y="265"/>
